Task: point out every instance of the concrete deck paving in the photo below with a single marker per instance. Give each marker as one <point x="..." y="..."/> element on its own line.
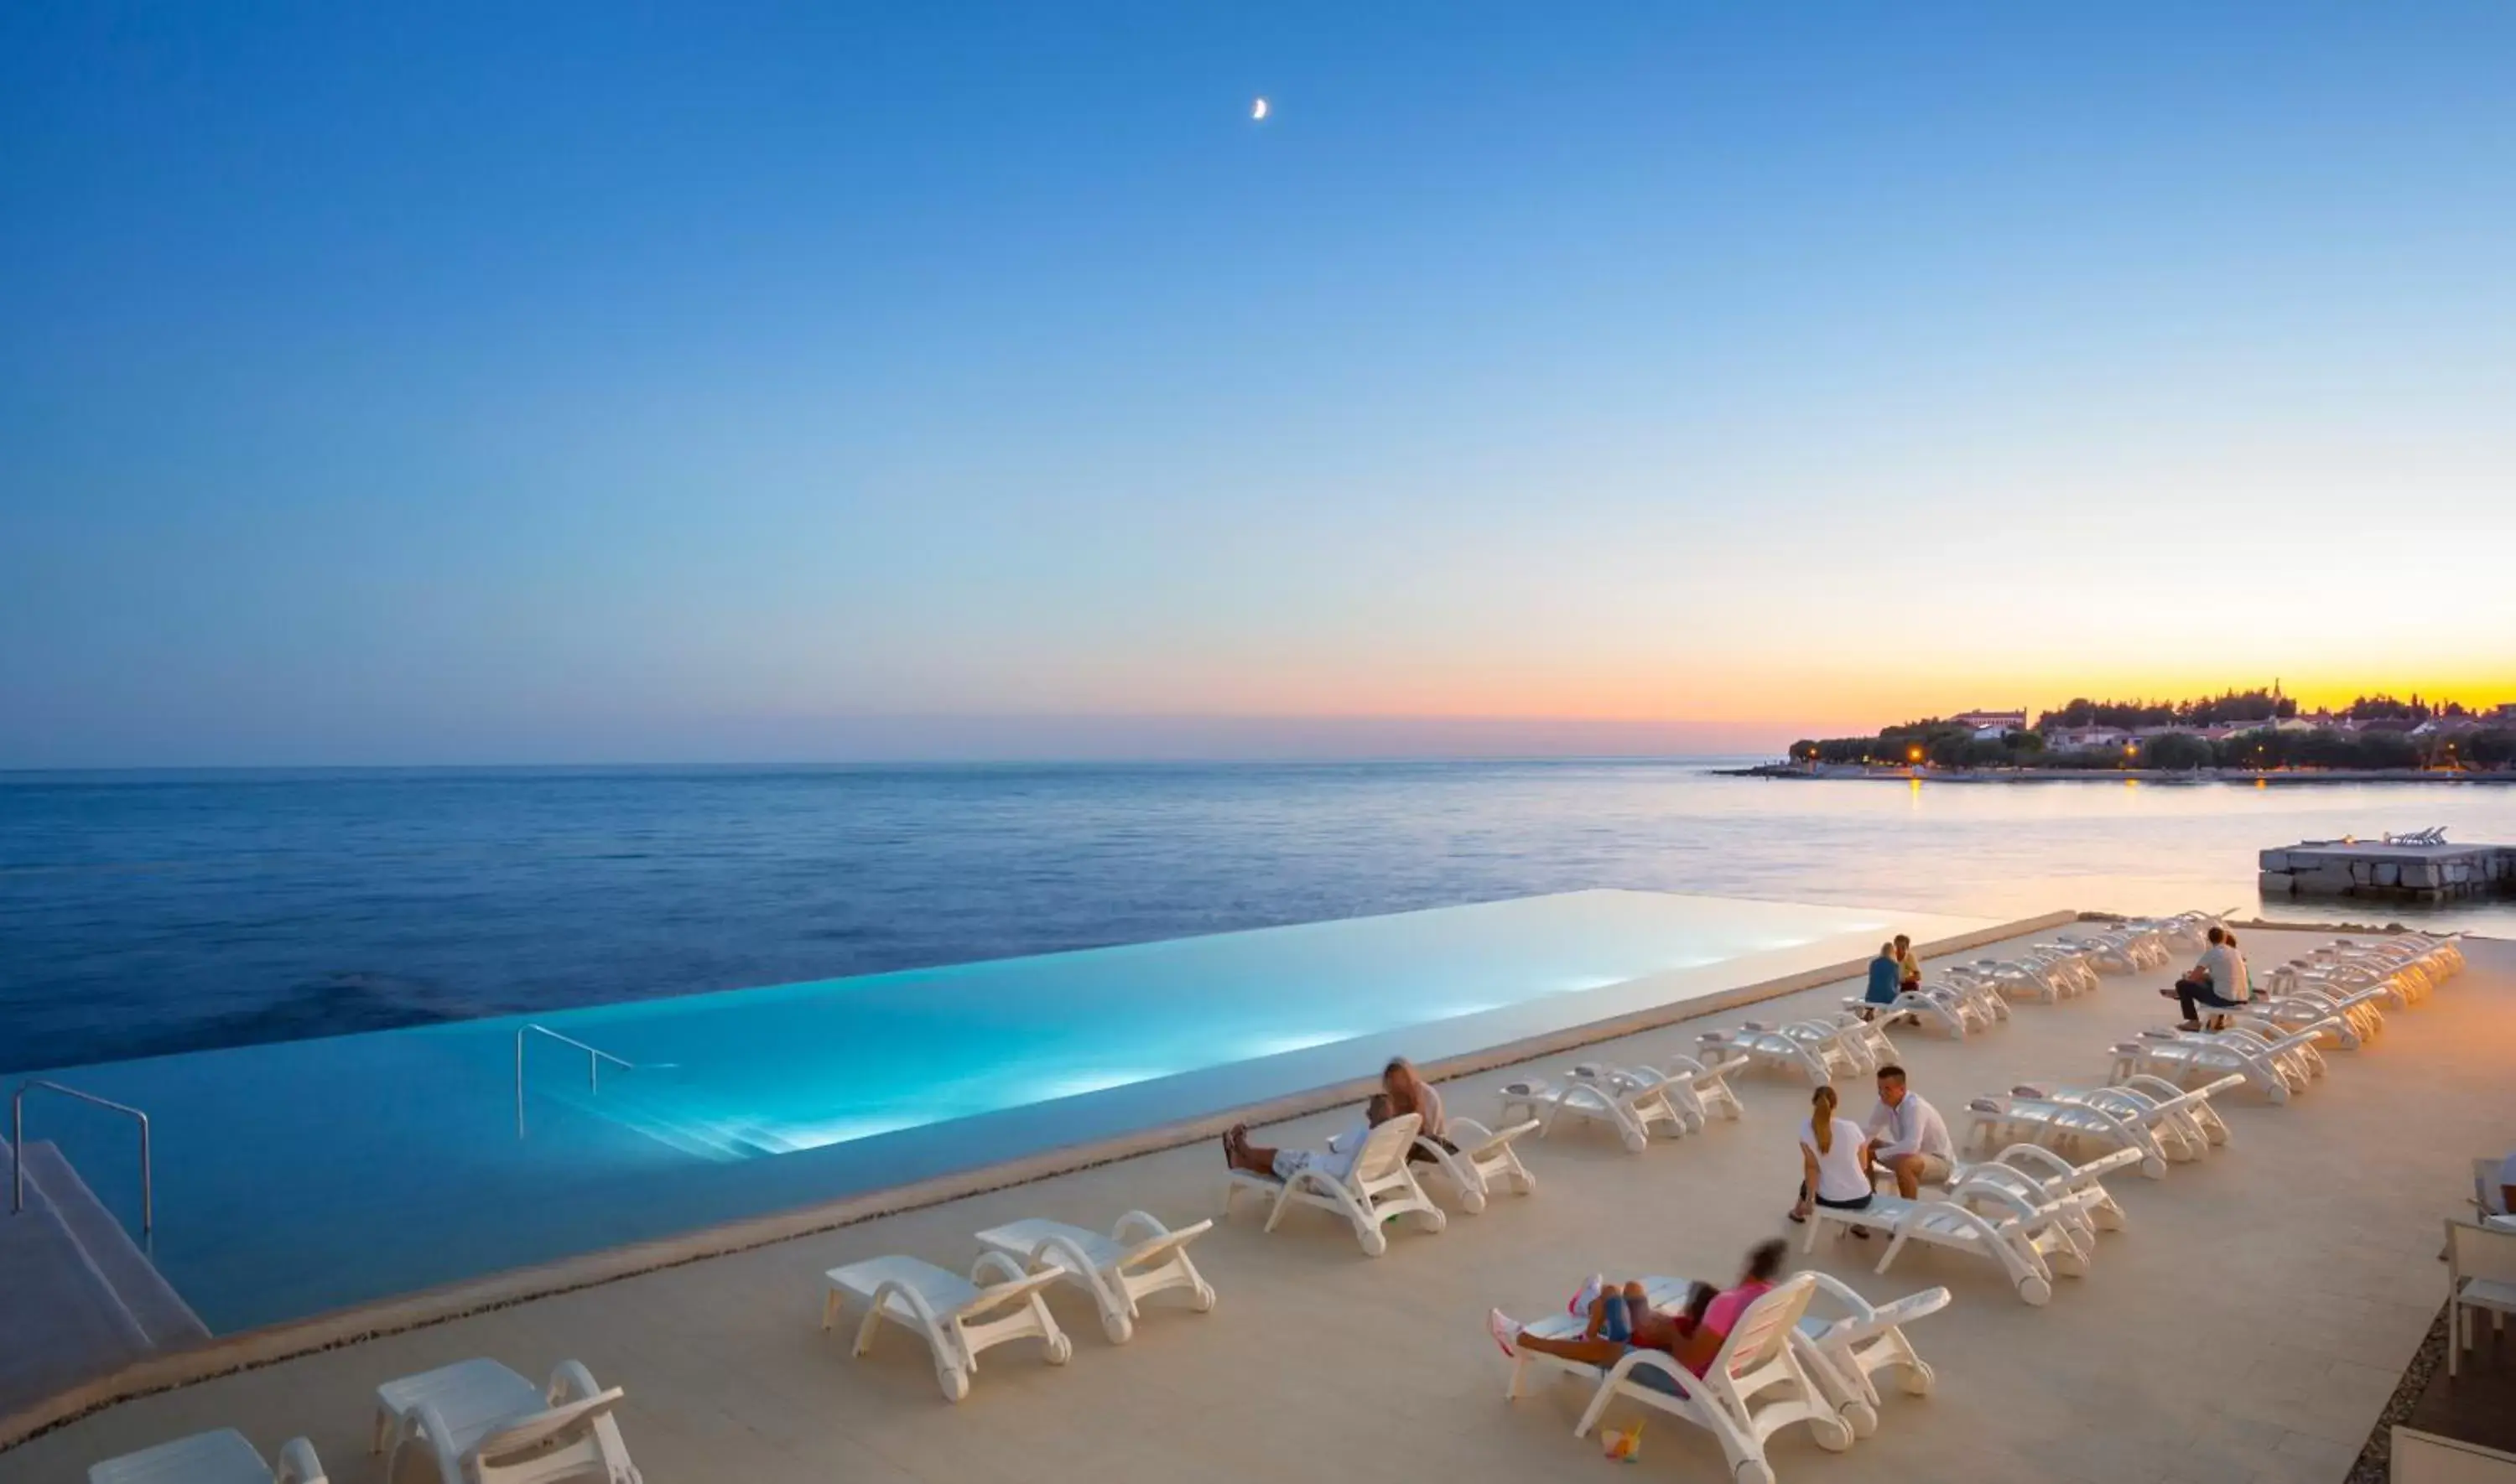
<point x="2249" y="1325"/>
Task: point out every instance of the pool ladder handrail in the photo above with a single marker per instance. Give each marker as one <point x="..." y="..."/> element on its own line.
<point x="18" y="1147"/>
<point x="595" y="1056"/>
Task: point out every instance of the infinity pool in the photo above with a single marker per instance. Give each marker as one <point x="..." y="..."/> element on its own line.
<point x="306" y="1176"/>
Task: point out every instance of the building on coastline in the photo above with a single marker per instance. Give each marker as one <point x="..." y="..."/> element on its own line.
<point x="2079" y="739"/>
<point x="1990" y="725"/>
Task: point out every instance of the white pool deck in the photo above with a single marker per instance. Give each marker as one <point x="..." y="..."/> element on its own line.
<point x="2249" y="1325"/>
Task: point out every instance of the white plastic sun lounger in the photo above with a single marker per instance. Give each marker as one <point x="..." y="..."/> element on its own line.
<point x="2362" y="1010"/>
<point x="479" y="1422"/>
<point x="1629" y="1102"/>
<point x="1849" y="1341"/>
<point x="1481" y="1163"/>
<point x="2030" y="1242"/>
<point x="2124" y="950"/>
<point x="2279" y="1015"/>
<point x="1700" y="1093"/>
<point x="2270" y="1068"/>
<point x="957" y="1317"/>
<point x="1866" y="1039"/>
<point x="223" y="1456"/>
<point x="2189" y="930"/>
<point x="2018" y="978"/>
<point x="2181" y="1118"/>
<point x="1979" y="993"/>
<point x="2020" y="1115"/>
<point x="1863" y="1041"/>
<point x="2070" y="966"/>
<point x="2041" y="1177"/>
<point x="1139" y="1259"/>
<point x="1380" y="1188"/>
<point x="1756" y="1386"/>
<point x="2302" y="1048"/>
<point x="1937" y="1005"/>
<point x="1763" y="1046"/>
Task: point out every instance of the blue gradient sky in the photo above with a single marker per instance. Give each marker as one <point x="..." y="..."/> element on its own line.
<point x="606" y="383"/>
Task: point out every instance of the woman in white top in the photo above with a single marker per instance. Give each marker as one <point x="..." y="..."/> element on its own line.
<point x="1831" y="1168"/>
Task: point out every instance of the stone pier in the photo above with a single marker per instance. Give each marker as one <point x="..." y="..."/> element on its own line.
<point x="2413" y="873"/>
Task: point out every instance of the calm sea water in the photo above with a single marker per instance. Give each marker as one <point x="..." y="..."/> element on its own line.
<point x="149" y="913"/>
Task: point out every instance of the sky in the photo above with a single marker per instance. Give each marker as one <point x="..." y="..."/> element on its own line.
<point x="623" y="383"/>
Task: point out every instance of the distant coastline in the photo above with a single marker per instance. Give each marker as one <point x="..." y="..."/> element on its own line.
<point x="2274" y="777"/>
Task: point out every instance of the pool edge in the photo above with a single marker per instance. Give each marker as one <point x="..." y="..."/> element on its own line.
<point x="272" y="1344"/>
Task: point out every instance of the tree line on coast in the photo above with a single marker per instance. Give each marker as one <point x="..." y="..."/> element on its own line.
<point x="2171" y="738"/>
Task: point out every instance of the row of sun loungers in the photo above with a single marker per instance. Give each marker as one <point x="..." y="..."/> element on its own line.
<point x="1003" y="1299"/>
<point x="1681" y="1096"/>
<point x="2027" y="1209"/>
<point x="1808" y="1352"/>
<point x="471" y="1423"/>
<point x="1813" y="1051"/>
<point x="2163" y="1123"/>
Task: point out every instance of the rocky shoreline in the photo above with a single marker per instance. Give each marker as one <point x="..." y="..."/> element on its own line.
<point x="2282" y="778"/>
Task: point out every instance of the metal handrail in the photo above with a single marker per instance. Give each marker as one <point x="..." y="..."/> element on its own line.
<point x="18" y="1147"/>
<point x="595" y="1056"/>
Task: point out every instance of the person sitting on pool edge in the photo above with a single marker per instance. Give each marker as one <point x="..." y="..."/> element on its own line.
<point x="1334" y="1162"/>
<point x="1621" y="1319"/>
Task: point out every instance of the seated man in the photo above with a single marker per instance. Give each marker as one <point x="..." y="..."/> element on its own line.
<point x="1336" y="1162"/>
<point x="1907" y="1138"/>
<point x="2216" y="982"/>
<point x="1622" y="1319"/>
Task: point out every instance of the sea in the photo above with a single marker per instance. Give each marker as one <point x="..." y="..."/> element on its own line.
<point x="143" y="912"/>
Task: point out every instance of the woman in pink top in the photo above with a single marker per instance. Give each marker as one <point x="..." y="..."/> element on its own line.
<point x="1620" y="1322"/>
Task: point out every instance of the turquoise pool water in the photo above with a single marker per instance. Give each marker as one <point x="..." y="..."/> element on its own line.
<point x="306" y="1176"/>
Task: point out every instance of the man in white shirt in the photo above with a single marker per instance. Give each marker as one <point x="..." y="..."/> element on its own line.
<point x="1335" y="1162"/>
<point x="1907" y="1138"/>
<point x="2217" y="981"/>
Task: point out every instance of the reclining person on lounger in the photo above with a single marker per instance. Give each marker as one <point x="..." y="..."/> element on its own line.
<point x="2217" y="981"/>
<point x="1335" y="1162"/>
<point x="1621" y="1319"/>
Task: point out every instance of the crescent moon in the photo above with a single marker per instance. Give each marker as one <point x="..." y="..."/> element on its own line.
<point x="1258" y="110"/>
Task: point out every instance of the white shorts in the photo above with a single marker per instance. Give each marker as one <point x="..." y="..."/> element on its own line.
<point x="1928" y="1168"/>
<point x="1292" y="1162"/>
